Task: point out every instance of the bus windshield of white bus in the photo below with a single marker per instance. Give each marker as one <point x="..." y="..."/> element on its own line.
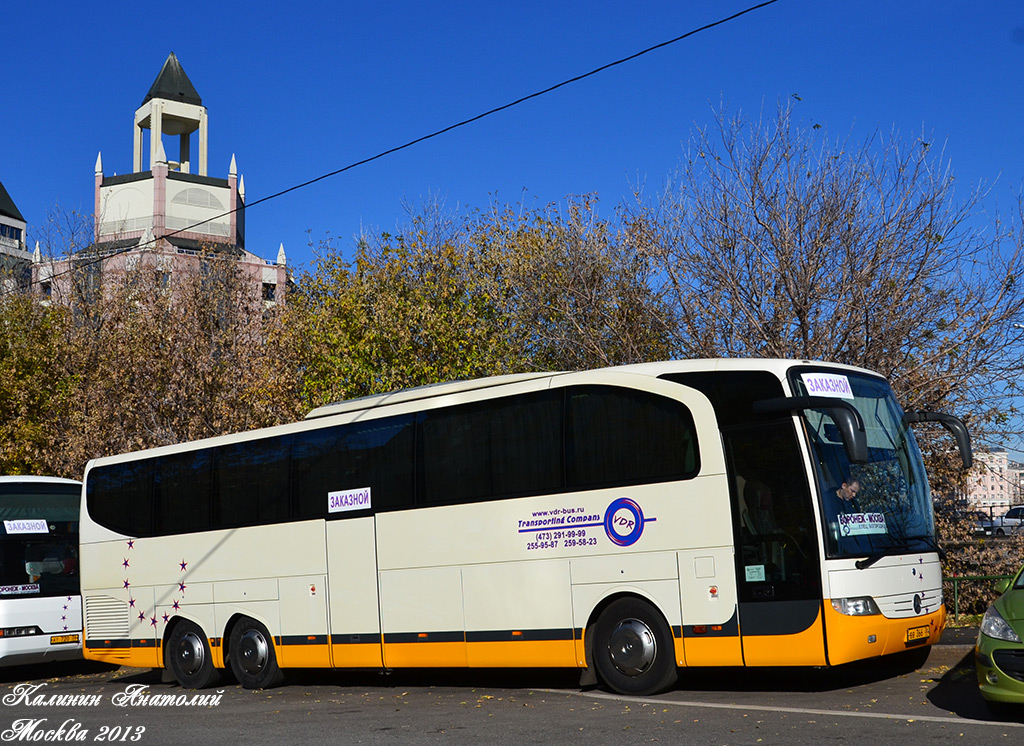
<point x="38" y="539"/>
<point x="876" y="508"/>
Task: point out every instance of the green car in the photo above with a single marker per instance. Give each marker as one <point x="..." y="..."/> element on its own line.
<point x="999" y="654"/>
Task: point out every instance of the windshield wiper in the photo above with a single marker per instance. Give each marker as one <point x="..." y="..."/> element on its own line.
<point x="868" y="561"/>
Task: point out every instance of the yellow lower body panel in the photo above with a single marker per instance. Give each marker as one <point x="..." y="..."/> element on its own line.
<point x="852" y="638"/>
<point x="425" y="655"/>
<point x="360" y="655"/>
<point x="115" y="656"/>
<point x="303" y="656"/>
<point x="146" y="655"/>
<point x="805" y="648"/>
<point x="709" y="651"/>
<point x="523" y="654"/>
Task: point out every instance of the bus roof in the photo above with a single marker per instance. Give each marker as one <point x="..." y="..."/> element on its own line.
<point x="423" y="393"/>
<point x="776" y="365"/>
<point x="30" y="479"/>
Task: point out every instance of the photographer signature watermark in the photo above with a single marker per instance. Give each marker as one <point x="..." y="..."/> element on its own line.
<point x="134" y="695"/>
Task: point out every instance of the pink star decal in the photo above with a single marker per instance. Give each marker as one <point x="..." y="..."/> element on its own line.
<point x="183" y="564"/>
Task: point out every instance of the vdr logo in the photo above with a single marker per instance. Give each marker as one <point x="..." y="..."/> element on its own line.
<point x="624" y="522"/>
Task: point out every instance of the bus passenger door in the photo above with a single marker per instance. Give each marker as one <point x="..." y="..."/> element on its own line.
<point x="352" y="593"/>
<point x="777" y="561"/>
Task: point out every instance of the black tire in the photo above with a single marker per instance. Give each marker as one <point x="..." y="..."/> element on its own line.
<point x="633" y="649"/>
<point x="251" y="655"/>
<point x="1000" y="532"/>
<point x="188" y="656"/>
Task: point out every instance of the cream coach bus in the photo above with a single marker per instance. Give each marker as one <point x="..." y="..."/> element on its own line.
<point x="624" y="521"/>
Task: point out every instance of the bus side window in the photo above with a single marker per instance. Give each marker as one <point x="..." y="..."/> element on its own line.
<point x="622" y="436"/>
<point x="508" y="448"/>
<point x="251" y="483"/>
<point x="120" y="496"/>
<point x="182" y="488"/>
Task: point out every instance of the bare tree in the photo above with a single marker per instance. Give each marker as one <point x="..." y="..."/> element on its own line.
<point x="774" y="241"/>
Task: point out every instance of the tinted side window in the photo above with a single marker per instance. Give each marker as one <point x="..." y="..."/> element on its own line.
<point x="377" y="454"/>
<point x="526" y="438"/>
<point x="620" y="436"/>
<point x="251" y="483"/>
<point x="182" y="487"/>
<point x="120" y="497"/>
<point x="501" y="448"/>
<point x="732" y="393"/>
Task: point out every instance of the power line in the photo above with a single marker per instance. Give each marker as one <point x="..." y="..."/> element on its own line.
<point x="424" y="138"/>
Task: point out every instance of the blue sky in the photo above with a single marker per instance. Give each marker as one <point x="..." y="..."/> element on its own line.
<point x="297" y="90"/>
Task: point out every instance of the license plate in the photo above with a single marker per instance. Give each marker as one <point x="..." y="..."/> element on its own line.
<point x="918" y="634"/>
<point x="63" y="639"/>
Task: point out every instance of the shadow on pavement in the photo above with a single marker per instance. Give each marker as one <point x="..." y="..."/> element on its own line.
<point x="957" y="692"/>
<point x="57" y="669"/>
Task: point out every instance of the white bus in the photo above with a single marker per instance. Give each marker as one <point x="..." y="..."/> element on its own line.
<point x="625" y="521"/>
<point x="40" y="602"/>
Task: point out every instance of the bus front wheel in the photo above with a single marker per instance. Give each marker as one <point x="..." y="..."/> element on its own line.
<point x="251" y="655"/>
<point x="189" y="658"/>
<point x="633" y="648"/>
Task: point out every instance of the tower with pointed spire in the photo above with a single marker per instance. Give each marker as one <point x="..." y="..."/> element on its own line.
<point x="166" y="210"/>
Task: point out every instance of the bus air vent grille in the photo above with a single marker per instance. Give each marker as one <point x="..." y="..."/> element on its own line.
<point x="105" y="617"/>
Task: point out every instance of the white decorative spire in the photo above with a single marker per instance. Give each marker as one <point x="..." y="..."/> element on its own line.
<point x="281" y="258"/>
<point x="147" y="242"/>
<point x="161" y="156"/>
<point x="233" y="168"/>
<point x="37" y="255"/>
<point x="99" y="163"/>
<point x="241" y="187"/>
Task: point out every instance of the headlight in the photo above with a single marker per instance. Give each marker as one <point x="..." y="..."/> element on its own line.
<point x="862" y="606"/>
<point x="993" y="625"/>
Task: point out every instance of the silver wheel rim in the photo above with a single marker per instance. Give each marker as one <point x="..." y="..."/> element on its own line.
<point x="191" y="653"/>
<point x="253" y="651"/>
<point x="632" y="647"/>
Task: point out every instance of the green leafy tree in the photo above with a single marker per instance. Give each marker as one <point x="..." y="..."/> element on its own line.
<point x="406" y="310"/>
<point x="32" y="383"/>
<point x="502" y="291"/>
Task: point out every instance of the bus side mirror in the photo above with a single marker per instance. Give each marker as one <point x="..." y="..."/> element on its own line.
<point x="951" y="423"/>
<point x="1002" y="585"/>
<point x="844" y="414"/>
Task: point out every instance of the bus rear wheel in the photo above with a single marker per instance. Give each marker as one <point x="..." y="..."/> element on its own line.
<point x="633" y="648"/>
<point x="251" y="655"/>
<point x="189" y="657"/>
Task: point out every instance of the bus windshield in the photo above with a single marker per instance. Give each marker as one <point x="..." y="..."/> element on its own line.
<point x="880" y="507"/>
<point x="38" y="539"/>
